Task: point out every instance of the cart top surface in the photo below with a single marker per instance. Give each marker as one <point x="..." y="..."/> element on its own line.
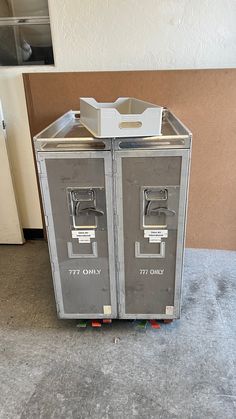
<point x="68" y="128"/>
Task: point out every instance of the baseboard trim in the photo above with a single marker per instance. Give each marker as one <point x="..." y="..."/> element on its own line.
<point x="33" y="233"/>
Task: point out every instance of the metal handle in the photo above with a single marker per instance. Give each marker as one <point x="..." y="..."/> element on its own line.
<point x="158" y="210"/>
<point x="89" y="211"/>
<point x="159" y="255"/>
<point x="156" y="194"/>
<point x="73" y="255"/>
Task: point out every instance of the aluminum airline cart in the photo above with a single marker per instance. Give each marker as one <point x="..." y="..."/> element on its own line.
<point x="115" y="213"/>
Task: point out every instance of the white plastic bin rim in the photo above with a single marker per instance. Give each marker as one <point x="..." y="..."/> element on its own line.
<point x="122" y="105"/>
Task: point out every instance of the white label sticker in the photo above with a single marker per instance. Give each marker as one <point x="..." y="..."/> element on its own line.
<point x="83" y="233"/>
<point x="170" y="310"/>
<point x="154" y="239"/>
<point x="156" y="233"/>
<point x="107" y="309"/>
<point x="84" y="239"/>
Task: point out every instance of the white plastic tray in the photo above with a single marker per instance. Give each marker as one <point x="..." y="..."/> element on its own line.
<point x="126" y="117"/>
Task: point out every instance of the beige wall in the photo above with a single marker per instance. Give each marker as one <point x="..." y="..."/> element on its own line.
<point x="116" y="35"/>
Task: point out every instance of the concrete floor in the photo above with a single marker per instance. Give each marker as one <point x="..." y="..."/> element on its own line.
<point x="50" y="369"/>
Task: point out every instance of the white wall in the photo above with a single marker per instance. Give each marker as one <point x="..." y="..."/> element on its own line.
<point x="144" y="34"/>
<point x="116" y="35"/>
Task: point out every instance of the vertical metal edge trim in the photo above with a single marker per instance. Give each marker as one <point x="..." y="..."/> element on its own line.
<point x="51" y="238"/>
<point x="110" y="232"/>
<point x="115" y="223"/>
<point x="185" y="219"/>
<point x="181" y="232"/>
<point x="120" y="233"/>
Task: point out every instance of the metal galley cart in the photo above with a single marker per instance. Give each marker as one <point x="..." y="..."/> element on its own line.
<point x="115" y="213"/>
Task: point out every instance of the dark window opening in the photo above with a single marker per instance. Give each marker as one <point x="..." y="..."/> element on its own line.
<point x="25" y="33"/>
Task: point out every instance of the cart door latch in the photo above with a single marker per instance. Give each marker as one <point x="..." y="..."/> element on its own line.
<point x="85" y="208"/>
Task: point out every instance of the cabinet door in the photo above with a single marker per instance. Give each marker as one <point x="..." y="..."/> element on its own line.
<point x="10" y="226"/>
<point x="77" y="190"/>
<point x="151" y="190"/>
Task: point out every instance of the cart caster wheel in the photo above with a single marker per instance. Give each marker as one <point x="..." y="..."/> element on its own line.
<point x="167" y="321"/>
<point x="154" y="324"/>
<point x="96" y="323"/>
<point x="109" y="321"/>
<point x="140" y="324"/>
<point x="82" y="324"/>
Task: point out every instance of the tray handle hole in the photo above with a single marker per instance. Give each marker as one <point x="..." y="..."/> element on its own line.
<point x="131" y="124"/>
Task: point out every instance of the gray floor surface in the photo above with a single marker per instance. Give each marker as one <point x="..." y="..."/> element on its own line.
<point x="50" y="369"/>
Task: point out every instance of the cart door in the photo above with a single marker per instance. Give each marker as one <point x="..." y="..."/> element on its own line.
<point x="151" y="189"/>
<point x="76" y="190"/>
